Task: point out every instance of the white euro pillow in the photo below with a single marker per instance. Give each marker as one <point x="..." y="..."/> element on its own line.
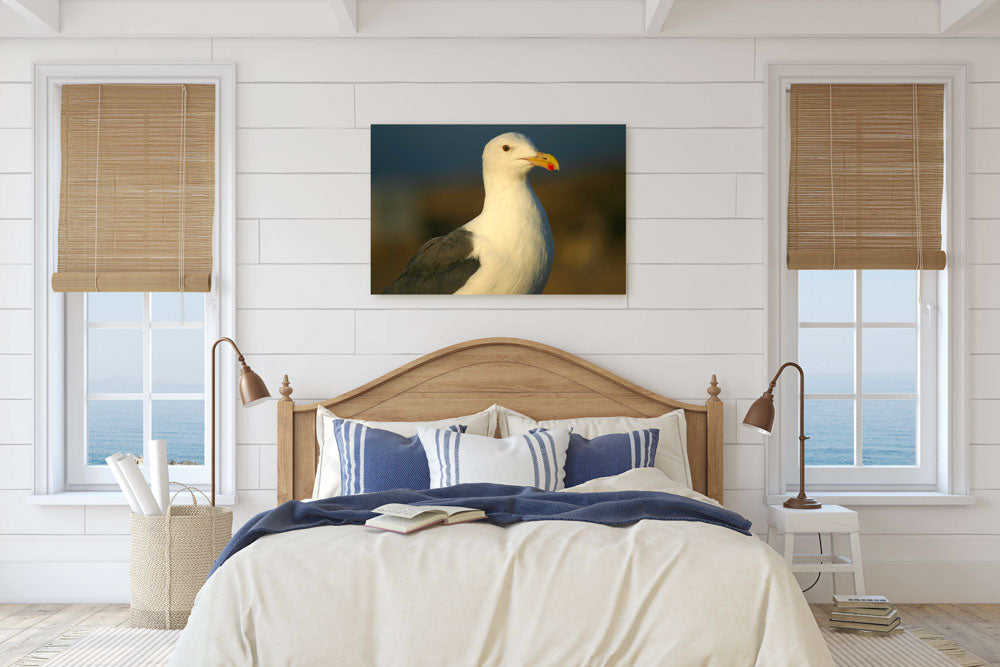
<point x="327" y="482"/>
<point x="671" y="452"/>
<point x="532" y="459"/>
<point x="639" y="479"/>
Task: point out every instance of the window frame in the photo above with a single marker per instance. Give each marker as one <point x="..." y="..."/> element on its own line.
<point x="51" y="479"/>
<point x="948" y="304"/>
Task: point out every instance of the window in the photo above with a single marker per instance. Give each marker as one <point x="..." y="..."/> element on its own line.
<point x="883" y="348"/>
<point x="861" y="337"/>
<point x="115" y="369"/>
<point x="136" y="372"/>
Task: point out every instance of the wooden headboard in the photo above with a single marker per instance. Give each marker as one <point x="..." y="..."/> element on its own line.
<point x="540" y="381"/>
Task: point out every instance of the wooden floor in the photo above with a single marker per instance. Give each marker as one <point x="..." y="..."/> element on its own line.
<point x="974" y="627"/>
<point x="26" y="627"/>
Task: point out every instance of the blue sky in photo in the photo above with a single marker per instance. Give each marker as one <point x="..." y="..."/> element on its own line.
<point x="434" y="152"/>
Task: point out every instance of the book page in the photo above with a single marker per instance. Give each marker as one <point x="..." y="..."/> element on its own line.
<point x="450" y="511"/>
<point x="406" y="511"/>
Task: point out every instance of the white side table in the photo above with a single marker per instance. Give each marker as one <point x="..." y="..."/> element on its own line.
<point x="832" y="519"/>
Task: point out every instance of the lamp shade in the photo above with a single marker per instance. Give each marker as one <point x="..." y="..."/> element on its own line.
<point x="252" y="388"/>
<point x="760" y="416"/>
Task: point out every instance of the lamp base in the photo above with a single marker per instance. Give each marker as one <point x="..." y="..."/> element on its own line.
<point x="802" y="504"/>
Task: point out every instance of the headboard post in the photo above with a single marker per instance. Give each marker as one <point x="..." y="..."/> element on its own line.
<point x="714" y="445"/>
<point x="285" y="442"/>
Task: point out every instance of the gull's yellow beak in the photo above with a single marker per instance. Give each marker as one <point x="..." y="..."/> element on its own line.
<point x="544" y="160"/>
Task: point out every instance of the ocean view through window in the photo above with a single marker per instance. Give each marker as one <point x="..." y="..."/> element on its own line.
<point x="145" y="374"/>
<point x="858" y="341"/>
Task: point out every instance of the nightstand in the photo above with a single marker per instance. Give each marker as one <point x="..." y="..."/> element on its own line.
<point x="830" y="519"/>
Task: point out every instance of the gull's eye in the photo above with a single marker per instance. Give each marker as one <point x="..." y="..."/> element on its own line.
<point x="506" y="147"/>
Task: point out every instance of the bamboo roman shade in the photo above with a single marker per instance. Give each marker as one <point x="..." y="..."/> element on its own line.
<point x="137" y="192"/>
<point x="866" y="176"/>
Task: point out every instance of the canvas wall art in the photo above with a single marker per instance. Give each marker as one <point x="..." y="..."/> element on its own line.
<point x="498" y="209"/>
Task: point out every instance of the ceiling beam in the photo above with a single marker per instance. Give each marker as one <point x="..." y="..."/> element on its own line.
<point x="44" y="13"/>
<point x="347" y="14"/>
<point x="656" y="15"/>
<point x="958" y="14"/>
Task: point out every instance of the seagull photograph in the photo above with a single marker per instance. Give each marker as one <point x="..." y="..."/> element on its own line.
<point x="491" y="209"/>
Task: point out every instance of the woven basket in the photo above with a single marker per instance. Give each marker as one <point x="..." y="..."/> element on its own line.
<point x="170" y="559"/>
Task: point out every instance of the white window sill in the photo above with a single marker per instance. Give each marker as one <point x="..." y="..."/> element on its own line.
<point x="112" y="498"/>
<point x="849" y="498"/>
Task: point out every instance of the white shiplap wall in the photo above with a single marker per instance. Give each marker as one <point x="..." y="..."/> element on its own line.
<point x="694" y="110"/>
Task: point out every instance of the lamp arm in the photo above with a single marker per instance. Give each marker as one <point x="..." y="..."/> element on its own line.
<point x="783" y="366"/>
<point x="802" y="395"/>
<point x="239" y="355"/>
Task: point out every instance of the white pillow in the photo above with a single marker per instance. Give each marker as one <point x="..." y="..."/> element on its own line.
<point x="535" y="459"/>
<point x="636" y="479"/>
<point x="327" y="482"/>
<point x="639" y="479"/>
<point x="671" y="452"/>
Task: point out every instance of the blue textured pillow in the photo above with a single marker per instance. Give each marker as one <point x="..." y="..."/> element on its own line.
<point x="609" y="454"/>
<point x="372" y="459"/>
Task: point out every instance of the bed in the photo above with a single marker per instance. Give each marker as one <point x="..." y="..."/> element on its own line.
<point x="545" y="592"/>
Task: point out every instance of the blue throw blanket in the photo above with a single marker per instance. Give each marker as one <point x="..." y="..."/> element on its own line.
<point x="503" y="505"/>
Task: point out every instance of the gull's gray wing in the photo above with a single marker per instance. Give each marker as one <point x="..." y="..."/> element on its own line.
<point x="440" y="266"/>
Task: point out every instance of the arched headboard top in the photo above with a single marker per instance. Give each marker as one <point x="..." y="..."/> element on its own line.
<point x="539" y="380"/>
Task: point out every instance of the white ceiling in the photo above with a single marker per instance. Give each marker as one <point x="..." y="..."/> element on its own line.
<point x="419" y="18"/>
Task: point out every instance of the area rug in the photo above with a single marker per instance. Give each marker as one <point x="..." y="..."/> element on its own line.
<point x="101" y="647"/>
<point x="914" y="648"/>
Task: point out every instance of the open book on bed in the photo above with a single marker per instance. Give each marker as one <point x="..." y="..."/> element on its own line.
<point x="402" y="518"/>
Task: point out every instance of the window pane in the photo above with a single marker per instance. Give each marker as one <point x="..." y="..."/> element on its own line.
<point x="827" y="357"/>
<point x="178" y="360"/>
<point x="166" y="307"/>
<point x="826" y="296"/>
<point x="113" y="426"/>
<point x="114" y="360"/>
<point x="889" y="296"/>
<point x="888" y="432"/>
<point x="182" y="425"/>
<point x="114" y="307"/>
<point x="194" y="306"/>
<point x="889" y="361"/>
<point x="830" y="427"/>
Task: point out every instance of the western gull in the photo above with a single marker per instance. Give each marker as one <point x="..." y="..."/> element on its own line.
<point x="507" y="248"/>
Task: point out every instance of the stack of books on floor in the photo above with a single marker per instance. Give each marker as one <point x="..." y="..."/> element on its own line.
<point x="864" y="613"/>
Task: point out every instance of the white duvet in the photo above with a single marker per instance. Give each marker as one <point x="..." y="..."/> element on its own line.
<point x="540" y="593"/>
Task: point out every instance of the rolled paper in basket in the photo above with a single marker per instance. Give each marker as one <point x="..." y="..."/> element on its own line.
<point x="158" y="474"/>
<point x="122" y="483"/>
<point x="136" y="482"/>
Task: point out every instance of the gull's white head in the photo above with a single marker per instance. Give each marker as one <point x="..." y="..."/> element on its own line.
<point x="514" y="154"/>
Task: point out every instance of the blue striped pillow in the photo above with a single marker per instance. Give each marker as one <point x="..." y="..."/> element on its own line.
<point x="372" y="459"/>
<point x="610" y="454"/>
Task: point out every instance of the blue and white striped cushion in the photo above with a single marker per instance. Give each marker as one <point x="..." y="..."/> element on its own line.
<point x="372" y="459"/>
<point x="533" y="459"/>
<point x="609" y="454"/>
